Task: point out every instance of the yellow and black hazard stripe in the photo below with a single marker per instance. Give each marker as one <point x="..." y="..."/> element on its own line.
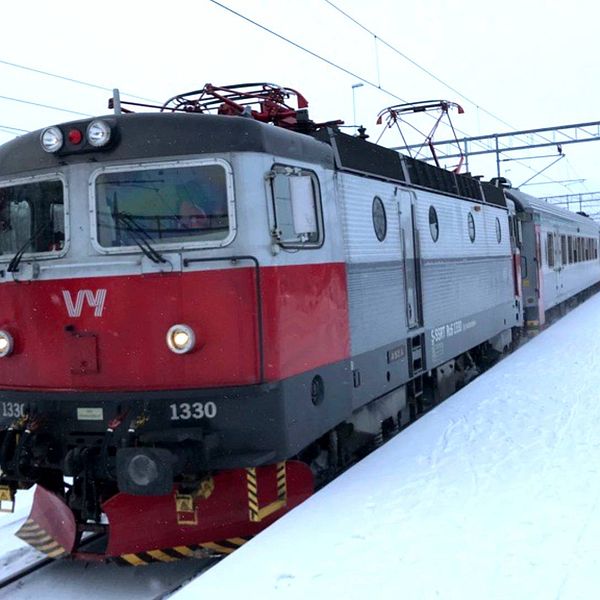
<point x="252" y="484"/>
<point x="255" y="512"/>
<point x="166" y="555"/>
<point x="37" y="537"/>
<point x="281" y="481"/>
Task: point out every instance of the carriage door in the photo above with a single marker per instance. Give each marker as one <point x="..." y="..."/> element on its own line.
<point x="558" y="263"/>
<point x="562" y="260"/>
<point x="409" y="236"/>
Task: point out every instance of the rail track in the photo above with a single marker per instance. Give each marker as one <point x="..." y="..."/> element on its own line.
<point x="23" y="572"/>
<point x="66" y="578"/>
<point x="26" y="570"/>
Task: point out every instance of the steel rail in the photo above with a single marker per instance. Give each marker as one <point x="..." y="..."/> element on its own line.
<point x="40" y="564"/>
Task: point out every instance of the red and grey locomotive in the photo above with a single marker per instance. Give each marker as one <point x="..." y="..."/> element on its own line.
<point x="206" y="309"/>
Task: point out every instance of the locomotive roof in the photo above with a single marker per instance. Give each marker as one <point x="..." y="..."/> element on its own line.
<point x="358" y="155"/>
<point x="152" y="135"/>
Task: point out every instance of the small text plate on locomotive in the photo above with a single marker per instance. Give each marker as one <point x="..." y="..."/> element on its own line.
<point x="90" y="414"/>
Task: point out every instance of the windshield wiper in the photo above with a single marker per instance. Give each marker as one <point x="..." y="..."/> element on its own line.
<point x="140" y="236"/>
<point x="15" y="261"/>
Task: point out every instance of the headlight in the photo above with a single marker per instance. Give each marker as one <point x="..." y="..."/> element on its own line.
<point x="6" y="343"/>
<point x="181" y="339"/>
<point x="52" y="139"/>
<point x="98" y="133"/>
<point x="145" y="471"/>
<point x="142" y="470"/>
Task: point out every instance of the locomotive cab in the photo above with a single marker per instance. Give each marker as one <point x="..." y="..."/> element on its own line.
<point x="171" y="277"/>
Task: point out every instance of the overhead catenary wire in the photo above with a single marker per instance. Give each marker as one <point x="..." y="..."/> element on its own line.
<point x="69" y="79"/>
<point x="417" y="65"/>
<point x="314" y="54"/>
<point x="10" y="129"/>
<point x="422" y="68"/>
<point x="339" y="67"/>
<point x="48" y="106"/>
<point x="283" y="38"/>
<point x="304" y="49"/>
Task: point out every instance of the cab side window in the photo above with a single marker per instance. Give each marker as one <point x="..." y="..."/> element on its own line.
<point x="297" y="213"/>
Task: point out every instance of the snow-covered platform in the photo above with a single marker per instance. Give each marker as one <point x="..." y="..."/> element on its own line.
<point x="495" y="494"/>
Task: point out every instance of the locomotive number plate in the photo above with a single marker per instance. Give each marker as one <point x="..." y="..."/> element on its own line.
<point x="194" y="410"/>
<point x="13" y="409"/>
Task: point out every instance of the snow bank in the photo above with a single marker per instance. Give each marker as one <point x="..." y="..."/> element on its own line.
<point x="494" y="494"/>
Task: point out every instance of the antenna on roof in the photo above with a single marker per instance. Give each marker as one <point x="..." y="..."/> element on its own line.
<point x="116" y="101"/>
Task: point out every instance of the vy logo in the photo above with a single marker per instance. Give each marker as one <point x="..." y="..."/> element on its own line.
<point x="93" y="300"/>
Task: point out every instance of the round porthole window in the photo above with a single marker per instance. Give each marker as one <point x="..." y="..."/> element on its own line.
<point x="379" y="219"/>
<point x="434" y="227"/>
<point x="498" y="230"/>
<point x="471" y="226"/>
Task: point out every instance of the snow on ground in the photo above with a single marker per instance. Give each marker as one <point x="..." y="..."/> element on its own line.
<point x="14" y="553"/>
<point x="493" y="495"/>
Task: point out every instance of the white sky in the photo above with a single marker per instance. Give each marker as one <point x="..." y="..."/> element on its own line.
<point x="533" y="64"/>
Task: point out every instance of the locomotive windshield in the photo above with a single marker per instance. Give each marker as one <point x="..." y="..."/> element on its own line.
<point x="32" y="218"/>
<point x="171" y="205"/>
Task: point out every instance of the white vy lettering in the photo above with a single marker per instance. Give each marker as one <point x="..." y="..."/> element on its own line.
<point x="95" y="301"/>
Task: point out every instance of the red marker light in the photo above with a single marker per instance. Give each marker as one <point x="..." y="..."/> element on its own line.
<point x="75" y="136"/>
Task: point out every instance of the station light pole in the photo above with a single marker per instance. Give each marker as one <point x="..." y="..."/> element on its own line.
<point x="354" y="87"/>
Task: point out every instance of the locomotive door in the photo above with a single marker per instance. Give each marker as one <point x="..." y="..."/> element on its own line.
<point x="409" y="236"/>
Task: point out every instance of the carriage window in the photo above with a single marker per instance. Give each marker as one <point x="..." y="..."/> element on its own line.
<point x="434" y="226"/>
<point x="570" y="247"/>
<point x="171" y="205"/>
<point x="550" y="250"/>
<point x="32" y="218"/>
<point x="471" y="227"/>
<point x="563" y="249"/>
<point x="296" y="208"/>
<point x="498" y="230"/>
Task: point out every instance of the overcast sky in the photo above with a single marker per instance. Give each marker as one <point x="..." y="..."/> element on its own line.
<point x="530" y="63"/>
